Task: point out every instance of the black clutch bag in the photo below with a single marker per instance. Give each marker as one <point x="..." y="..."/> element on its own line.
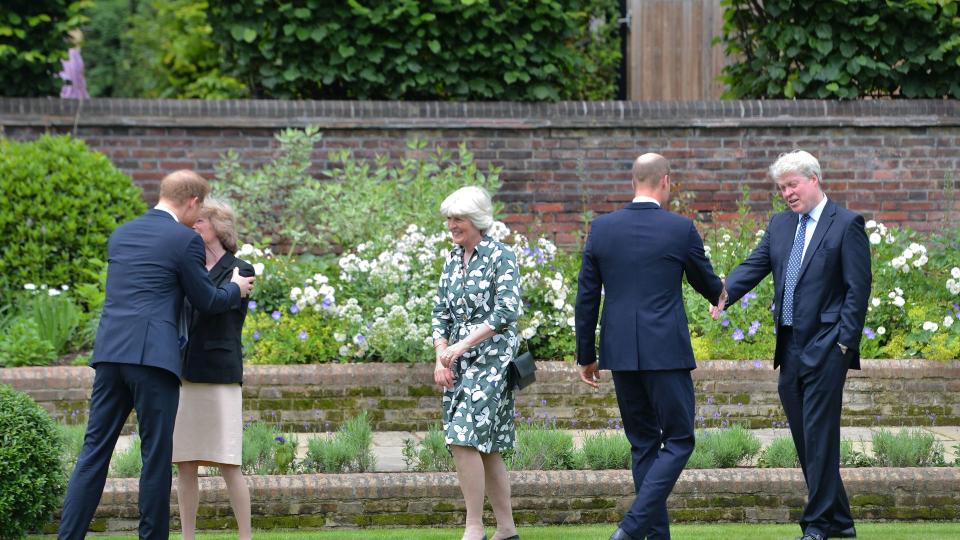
<point x="523" y="371"/>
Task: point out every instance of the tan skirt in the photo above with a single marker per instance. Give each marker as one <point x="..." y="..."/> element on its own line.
<point x="209" y="424"/>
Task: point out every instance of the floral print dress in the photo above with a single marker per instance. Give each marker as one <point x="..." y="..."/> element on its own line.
<point x="479" y="410"/>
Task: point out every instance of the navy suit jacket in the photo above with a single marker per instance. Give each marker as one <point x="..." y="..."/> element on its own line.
<point x="638" y="257"/>
<point x="830" y="300"/>
<point x="153" y="262"/>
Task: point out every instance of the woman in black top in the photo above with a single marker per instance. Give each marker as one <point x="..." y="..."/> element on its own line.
<point x="209" y="425"/>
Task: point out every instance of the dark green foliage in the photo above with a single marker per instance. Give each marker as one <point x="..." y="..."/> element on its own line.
<point x="61" y="201"/>
<point x="408" y="49"/>
<point x="32" y="479"/>
<point x="34" y="37"/>
<point x="848" y="49"/>
<point x="108" y="65"/>
<point x="605" y="450"/>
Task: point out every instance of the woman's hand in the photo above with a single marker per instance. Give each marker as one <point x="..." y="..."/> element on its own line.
<point x="450" y="354"/>
<point x="443" y="376"/>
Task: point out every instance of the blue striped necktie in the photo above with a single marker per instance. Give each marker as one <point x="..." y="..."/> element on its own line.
<point x="793" y="271"/>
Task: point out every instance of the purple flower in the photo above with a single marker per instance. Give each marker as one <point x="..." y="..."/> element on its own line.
<point x="757" y="364"/>
<point x="754" y="326"/>
<point x="73" y="75"/>
<point x="303" y="335"/>
<point x="737" y="334"/>
<point x="725" y="323"/>
<point x="867" y="331"/>
<point x="326" y="303"/>
<point x="256" y="335"/>
<point x="252" y="305"/>
<point x="280" y="439"/>
<point x="716" y="414"/>
<point x="294" y="309"/>
<point x="710" y="400"/>
<point x="276" y="315"/>
<point x="359" y="339"/>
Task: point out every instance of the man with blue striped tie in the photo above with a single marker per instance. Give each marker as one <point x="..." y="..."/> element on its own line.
<point x="820" y="259"/>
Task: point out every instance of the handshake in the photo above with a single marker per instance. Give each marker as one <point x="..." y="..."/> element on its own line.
<point x="716" y="310"/>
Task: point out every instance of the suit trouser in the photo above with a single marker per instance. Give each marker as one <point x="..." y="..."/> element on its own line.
<point x="118" y="388"/>
<point x="657" y="408"/>
<point x="812" y="400"/>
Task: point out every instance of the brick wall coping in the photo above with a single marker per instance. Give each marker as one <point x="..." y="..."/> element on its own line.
<point x="245" y="114"/>
<point x="60" y="377"/>
<point x="551" y="484"/>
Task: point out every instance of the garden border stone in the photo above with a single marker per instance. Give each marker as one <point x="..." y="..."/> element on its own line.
<point x="401" y="397"/>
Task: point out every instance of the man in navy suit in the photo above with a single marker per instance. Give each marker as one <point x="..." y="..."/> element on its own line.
<point x="153" y="261"/>
<point x="635" y="259"/>
<point x="820" y="259"/>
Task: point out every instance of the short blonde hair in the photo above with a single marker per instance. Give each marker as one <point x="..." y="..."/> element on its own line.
<point x="183" y="185"/>
<point x="798" y="161"/>
<point x="472" y="203"/>
<point x="223" y="221"/>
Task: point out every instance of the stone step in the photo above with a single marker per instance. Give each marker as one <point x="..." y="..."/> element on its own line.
<point x="388" y="445"/>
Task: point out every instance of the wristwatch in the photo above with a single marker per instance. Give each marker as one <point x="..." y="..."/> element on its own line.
<point x="843" y="348"/>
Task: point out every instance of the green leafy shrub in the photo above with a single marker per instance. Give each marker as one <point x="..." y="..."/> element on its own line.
<point x="32" y="479"/>
<point x="541" y="447"/>
<point x="406" y="49"/>
<point x="781" y="454"/>
<point x="22" y="345"/>
<point x="829" y="50"/>
<point x="259" y="442"/>
<point x="908" y="448"/>
<point x="605" y="450"/>
<point x="61" y="201"/>
<point x="701" y="459"/>
<point x="57" y="318"/>
<point x="127" y="463"/>
<point x="430" y="455"/>
<point x="348" y="450"/>
<point x="33" y="41"/>
<point x="727" y="447"/>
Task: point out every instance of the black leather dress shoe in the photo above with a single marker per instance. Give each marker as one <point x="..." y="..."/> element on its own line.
<point x="812" y="536"/>
<point x="620" y="534"/>
<point x="850" y="532"/>
<point x="514" y="537"/>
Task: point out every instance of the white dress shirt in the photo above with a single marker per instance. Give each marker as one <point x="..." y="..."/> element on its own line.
<point x="167" y="209"/>
<point x="644" y="198"/>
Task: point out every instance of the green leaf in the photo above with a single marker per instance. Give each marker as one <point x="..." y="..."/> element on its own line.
<point x="434" y="46"/>
<point x="249" y="34"/>
<point x="346" y="51"/>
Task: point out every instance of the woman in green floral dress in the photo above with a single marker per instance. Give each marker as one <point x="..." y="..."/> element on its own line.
<point x="475" y="336"/>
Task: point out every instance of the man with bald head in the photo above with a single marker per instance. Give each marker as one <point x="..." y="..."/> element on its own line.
<point x="636" y="259"/>
<point x="154" y="261"/>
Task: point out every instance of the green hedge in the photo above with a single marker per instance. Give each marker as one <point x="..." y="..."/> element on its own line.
<point x="407" y="49"/>
<point x="32" y="477"/>
<point x="60" y="201"/>
<point x="848" y="49"/>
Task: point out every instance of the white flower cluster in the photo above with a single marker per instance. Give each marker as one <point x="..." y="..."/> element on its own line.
<point x="953" y="284"/>
<point x="51" y="291"/>
<point x="930" y="326"/>
<point x="248" y="252"/>
<point x="317" y="293"/>
<point x="877" y="232"/>
<point x="903" y="262"/>
<point x="896" y="297"/>
<point x="498" y="231"/>
<point x="396" y="265"/>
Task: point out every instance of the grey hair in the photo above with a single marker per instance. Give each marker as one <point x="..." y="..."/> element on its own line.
<point x="222" y="220"/>
<point x="798" y="161"/>
<point x="472" y="203"/>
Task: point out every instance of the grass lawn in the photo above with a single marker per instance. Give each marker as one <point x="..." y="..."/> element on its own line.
<point x="870" y="531"/>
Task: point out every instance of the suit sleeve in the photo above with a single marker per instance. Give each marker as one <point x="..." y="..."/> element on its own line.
<point x="857" y="279"/>
<point x="752" y="270"/>
<point x="205" y="297"/>
<point x="587" y="311"/>
<point x="699" y="271"/>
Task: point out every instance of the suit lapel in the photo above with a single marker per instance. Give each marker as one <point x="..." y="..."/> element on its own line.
<point x="826" y="219"/>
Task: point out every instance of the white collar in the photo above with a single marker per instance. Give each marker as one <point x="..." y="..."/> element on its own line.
<point x="644" y="198"/>
<point x="167" y="209"/>
<point x="817" y="210"/>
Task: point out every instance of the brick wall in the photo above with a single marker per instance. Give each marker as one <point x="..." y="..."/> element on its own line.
<point x="398" y="397"/>
<point x="544" y="498"/>
<point x="895" y="161"/>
